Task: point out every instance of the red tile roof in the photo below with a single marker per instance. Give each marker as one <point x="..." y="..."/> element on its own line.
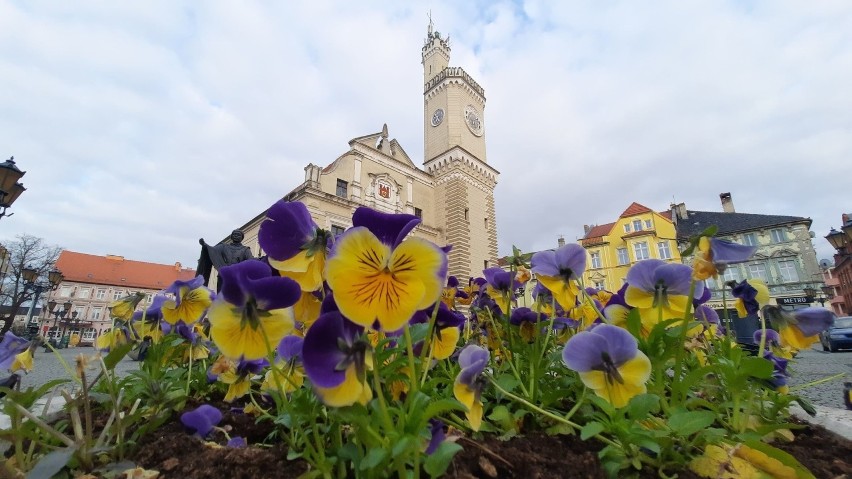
<point x="600" y="230"/>
<point x="635" y="209"/>
<point x="666" y="214"/>
<point x="115" y="270"/>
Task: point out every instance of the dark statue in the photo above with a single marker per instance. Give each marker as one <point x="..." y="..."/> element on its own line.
<point x="223" y="254"/>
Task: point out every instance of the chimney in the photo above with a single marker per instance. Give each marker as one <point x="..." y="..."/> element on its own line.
<point x="561" y="240"/>
<point x="586" y="229"/>
<point x="178" y="266"/>
<point x="727" y="203"/>
<point x="678" y="212"/>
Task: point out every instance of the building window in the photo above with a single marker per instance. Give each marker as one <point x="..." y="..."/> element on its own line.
<point x="96" y="314"/>
<point x="88" y="334"/>
<point x="466" y="214"/>
<point x="750" y="239"/>
<point x="627" y="227"/>
<point x="757" y="271"/>
<point x="596" y="259"/>
<point x="101" y="294"/>
<point x="641" y="251"/>
<point x="637" y="225"/>
<point x="787" y="268"/>
<point x="337" y="230"/>
<point x="486" y="223"/>
<point x="341" y="188"/>
<point x="418" y="213"/>
<point x="732" y="273"/>
<point x="54" y="332"/>
<point x="485" y="264"/>
<point x="65" y="292"/>
<point x="663" y="249"/>
<point x="599" y="285"/>
<point x="150" y="297"/>
<point x="777" y="235"/>
<point x="116" y="295"/>
<point x="84" y="293"/>
<point x="647" y="224"/>
<point x="623" y="258"/>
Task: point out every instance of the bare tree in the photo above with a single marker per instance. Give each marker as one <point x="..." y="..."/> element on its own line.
<point x="25" y="251"/>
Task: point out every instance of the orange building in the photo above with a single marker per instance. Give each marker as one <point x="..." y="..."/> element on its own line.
<point x="91" y="283"/>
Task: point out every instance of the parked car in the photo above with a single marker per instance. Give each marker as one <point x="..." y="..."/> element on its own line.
<point x="838" y="336"/>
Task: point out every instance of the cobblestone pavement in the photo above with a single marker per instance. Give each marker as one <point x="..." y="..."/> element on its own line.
<point x="815" y="364"/>
<point x="46" y="366"/>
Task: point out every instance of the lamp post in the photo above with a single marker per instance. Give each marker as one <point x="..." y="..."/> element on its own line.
<point x="64" y="341"/>
<point x="58" y="315"/>
<point x="842" y="243"/>
<point x="10" y="189"/>
<point x="30" y="276"/>
<point x="811" y="295"/>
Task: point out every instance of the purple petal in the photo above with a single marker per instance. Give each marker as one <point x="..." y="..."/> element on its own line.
<point x="473" y="360"/>
<point x="676" y="277"/>
<point x="727" y="252"/>
<point x="571" y="257"/>
<point x="290" y="347"/>
<point x="544" y="262"/>
<point x="812" y="321"/>
<point x="436" y="427"/>
<point x="499" y="279"/>
<point x="641" y="275"/>
<point x="10" y="347"/>
<point x="237" y="442"/>
<point x="175" y="287"/>
<point x="235" y="279"/>
<point x="622" y="346"/>
<point x="446" y="317"/>
<point x="706" y="314"/>
<point x="288" y="227"/>
<point x="321" y="353"/>
<point x="452" y="282"/>
<point x="390" y="229"/>
<point x="202" y="419"/>
<point x="582" y="352"/>
<point x="274" y="292"/>
<point x="772" y="337"/>
<point x="524" y="314"/>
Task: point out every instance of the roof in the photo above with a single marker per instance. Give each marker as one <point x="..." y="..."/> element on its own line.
<point x="600" y="230"/>
<point x="728" y="223"/>
<point x="117" y="271"/>
<point x="635" y="209"/>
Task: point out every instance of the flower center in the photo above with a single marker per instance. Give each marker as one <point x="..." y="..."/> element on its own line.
<point x="660" y="294"/>
<point x="355" y="353"/>
<point x="610" y="369"/>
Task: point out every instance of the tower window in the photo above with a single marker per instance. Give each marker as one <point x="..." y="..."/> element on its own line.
<point x="486" y="223"/>
<point x="466" y="211"/>
<point x="342" y="186"/>
<point x="485" y="264"/>
<point x="418" y="213"/>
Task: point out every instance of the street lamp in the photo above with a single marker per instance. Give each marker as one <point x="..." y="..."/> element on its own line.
<point x="10" y="189"/>
<point x="58" y="315"/>
<point x="30" y="277"/>
<point x="838" y="239"/>
<point x="811" y="294"/>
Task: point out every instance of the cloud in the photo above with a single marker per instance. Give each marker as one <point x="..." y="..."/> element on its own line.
<point x="146" y="126"/>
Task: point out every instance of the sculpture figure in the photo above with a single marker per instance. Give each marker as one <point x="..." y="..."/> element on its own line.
<point x="223" y="254"/>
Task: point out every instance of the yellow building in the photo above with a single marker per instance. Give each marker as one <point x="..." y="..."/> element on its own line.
<point x="639" y="233"/>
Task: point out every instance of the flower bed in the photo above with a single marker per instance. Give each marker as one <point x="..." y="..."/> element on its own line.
<point x="350" y="356"/>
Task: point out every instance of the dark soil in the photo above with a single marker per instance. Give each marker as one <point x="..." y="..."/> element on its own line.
<point x="176" y="454"/>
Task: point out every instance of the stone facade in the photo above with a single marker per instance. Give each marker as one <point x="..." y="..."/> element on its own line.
<point x="453" y="192"/>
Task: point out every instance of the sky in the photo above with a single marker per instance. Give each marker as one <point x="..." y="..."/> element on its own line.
<point x="144" y="126"/>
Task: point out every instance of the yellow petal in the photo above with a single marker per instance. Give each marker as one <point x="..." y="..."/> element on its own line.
<point x="371" y="283"/>
<point x="792" y="336"/>
<point x="192" y="306"/>
<point x="303" y="269"/>
<point x="236" y="339"/>
<point x="474" y="408"/>
<point x="639" y="298"/>
<point x="445" y="346"/>
<point x="23" y="361"/>
<point x="350" y="391"/>
<point x="564" y="293"/>
<point x="237" y="389"/>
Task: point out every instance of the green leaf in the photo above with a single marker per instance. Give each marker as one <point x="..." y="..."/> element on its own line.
<point x="688" y="423"/>
<point x="806" y="405"/>
<point x="404" y="444"/>
<point x="373" y="458"/>
<point x="442" y="406"/>
<point x="591" y="429"/>
<point x="117" y="355"/>
<point x="52" y="463"/>
<point x="781" y="456"/>
<point x="436" y="464"/>
<point x="634" y="323"/>
<point x="640" y="406"/>
<point x="508" y="382"/>
<point x="757" y="367"/>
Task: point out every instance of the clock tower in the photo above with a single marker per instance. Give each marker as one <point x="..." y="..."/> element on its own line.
<point x="454" y="144"/>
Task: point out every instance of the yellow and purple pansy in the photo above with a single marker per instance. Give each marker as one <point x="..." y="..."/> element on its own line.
<point x="609" y="363"/>
<point x="190" y="302"/>
<point x="335" y="354"/>
<point x="295" y="245"/>
<point x="448" y="324"/>
<point x="289" y="374"/>
<point x="500" y="287"/>
<point x="253" y="310"/>
<point x="379" y="278"/>
<point x="122" y="309"/>
<point x="201" y="420"/>
<point x="713" y="255"/>
<point x="660" y="290"/>
<point x="799" y="328"/>
<point x="469" y="383"/>
<point x="10" y="347"/>
<point x="559" y="272"/>
<point x="750" y="294"/>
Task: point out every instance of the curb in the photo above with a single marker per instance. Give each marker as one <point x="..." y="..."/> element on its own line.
<point x="838" y="421"/>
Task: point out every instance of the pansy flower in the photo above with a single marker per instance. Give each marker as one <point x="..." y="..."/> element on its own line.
<point x="191" y="300"/>
<point x="113" y="338"/>
<point x="800" y="328"/>
<point x="23" y="361"/>
<point x="295" y="245"/>
<point x="237" y="374"/>
<point x="469" y="384"/>
<point x="201" y="420"/>
<point x="335" y="358"/>
<point x="750" y="294"/>
<point x="253" y="310"/>
<point x="501" y="286"/>
<point x="779" y="372"/>
<point x="527" y="322"/>
<point x="659" y="290"/>
<point x="447" y="330"/>
<point x="609" y="363"/>
<point x="436" y="430"/>
<point x="149" y="323"/>
<point x="713" y="255"/>
<point x="471" y="291"/>
<point x="10" y="347"/>
<point x="379" y="278"/>
<point x="288" y="373"/>
<point x="123" y="308"/>
<point x="559" y="271"/>
<point x="451" y="292"/>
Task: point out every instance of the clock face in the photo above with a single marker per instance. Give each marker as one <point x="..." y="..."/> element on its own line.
<point x="474" y="122"/>
<point x="437" y="117"/>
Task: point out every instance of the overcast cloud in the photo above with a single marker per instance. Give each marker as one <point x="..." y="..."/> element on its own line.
<point x="145" y="125"/>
